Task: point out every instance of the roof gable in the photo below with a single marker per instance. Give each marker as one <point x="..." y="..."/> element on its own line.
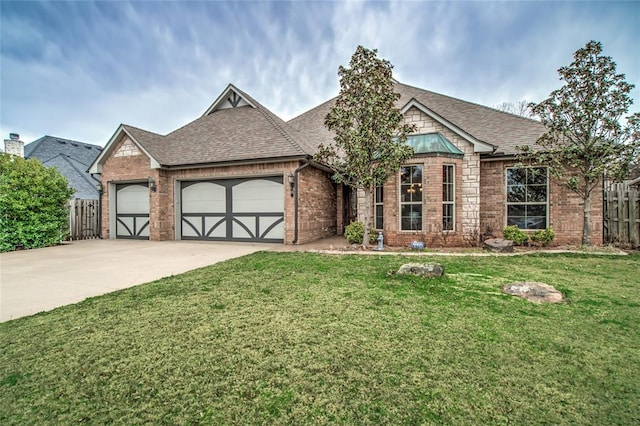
<point x="488" y="129"/>
<point x="478" y="146"/>
<point x="481" y="124"/>
<point x="230" y="97"/>
<point x="235" y="128"/>
<point x="139" y="137"/>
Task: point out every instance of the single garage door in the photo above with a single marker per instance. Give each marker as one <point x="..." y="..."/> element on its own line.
<point x="233" y="210"/>
<point x="132" y="211"/>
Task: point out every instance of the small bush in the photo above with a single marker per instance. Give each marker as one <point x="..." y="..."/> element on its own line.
<point x="516" y="235"/>
<point x="543" y="237"/>
<point x="33" y="204"/>
<point x="355" y="231"/>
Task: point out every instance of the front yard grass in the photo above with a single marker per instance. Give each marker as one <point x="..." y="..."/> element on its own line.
<point x="300" y="338"/>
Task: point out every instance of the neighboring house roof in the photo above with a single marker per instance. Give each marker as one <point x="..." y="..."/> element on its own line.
<point x="235" y="128"/>
<point x="488" y="129"/>
<point x="71" y="158"/>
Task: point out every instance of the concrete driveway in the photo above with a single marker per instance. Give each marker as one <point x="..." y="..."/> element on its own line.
<point x="38" y="280"/>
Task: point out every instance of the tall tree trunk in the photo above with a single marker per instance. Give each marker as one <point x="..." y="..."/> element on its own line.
<point x="367" y="216"/>
<point x="586" y="224"/>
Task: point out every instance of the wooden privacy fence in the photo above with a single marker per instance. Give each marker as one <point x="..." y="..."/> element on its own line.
<point x="84" y="219"/>
<point x="622" y="218"/>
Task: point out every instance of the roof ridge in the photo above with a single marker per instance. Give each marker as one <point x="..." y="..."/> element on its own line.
<point x="143" y="130"/>
<point x="284" y="132"/>
<point x="84" y="173"/>
<point x="270" y="116"/>
<point x="309" y="110"/>
<point x="36" y="144"/>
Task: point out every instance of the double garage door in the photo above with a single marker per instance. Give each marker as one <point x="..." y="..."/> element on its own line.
<point x="233" y="210"/>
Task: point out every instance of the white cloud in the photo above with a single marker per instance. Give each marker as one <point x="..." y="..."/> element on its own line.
<point x="77" y="70"/>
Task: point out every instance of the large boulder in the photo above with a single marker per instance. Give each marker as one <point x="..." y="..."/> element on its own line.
<point x="498" y="245"/>
<point x="427" y="270"/>
<point x="534" y="291"/>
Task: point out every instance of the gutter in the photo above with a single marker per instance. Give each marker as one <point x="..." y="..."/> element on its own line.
<point x="231" y="163"/>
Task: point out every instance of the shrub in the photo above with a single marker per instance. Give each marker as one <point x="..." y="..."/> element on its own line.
<point x="355" y="231"/>
<point x="515" y="234"/>
<point x="543" y="237"/>
<point x="33" y="204"/>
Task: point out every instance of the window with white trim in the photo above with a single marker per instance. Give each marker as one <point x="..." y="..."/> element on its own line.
<point x="378" y="199"/>
<point x="411" y="198"/>
<point x="448" y="197"/>
<point x="527" y="197"/>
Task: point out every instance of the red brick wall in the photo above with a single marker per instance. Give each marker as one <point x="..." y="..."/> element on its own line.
<point x="317" y="205"/>
<point x="123" y="169"/>
<point x="431" y="233"/>
<point x="565" y="207"/>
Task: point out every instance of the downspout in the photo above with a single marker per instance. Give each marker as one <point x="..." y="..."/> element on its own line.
<point x="100" y="193"/>
<point x="295" y="200"/>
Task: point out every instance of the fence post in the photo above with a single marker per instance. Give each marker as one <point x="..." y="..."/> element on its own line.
<point x="634" y="218"/>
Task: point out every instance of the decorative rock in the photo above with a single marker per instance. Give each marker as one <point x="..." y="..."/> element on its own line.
<point x="427" y="270"/>
<point x="498" y="245"/>
<point x="534" y="292"/>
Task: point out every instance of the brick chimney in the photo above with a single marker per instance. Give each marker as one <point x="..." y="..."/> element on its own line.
<point x="14" y="145"/>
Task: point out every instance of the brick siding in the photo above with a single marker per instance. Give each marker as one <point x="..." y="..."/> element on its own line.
<point x="317" y="202"/>
<point x="565" y="207"/>
<point x="125" y="169"/>
<point x="317" y="205"/>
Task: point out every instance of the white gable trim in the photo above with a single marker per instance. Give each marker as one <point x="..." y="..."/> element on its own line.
<point x="478" y="146"/>
<point x="96" y="166"/>
<point x="224" y="101"/>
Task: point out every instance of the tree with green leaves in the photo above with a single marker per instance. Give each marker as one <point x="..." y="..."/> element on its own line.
<point x="33" y="204"/>
<point x="585" y="139"/>
<point x="370" y="135"/>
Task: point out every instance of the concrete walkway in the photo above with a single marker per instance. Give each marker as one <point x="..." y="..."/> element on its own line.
<point x="38" y="280"/>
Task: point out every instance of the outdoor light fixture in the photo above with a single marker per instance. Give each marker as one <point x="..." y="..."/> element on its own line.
<point x="292" y="182"/>
<point x="99" y="187"/>
<point x="152" y="184"/>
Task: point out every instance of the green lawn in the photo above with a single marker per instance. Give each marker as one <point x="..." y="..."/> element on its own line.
<point x="299" y="338"/>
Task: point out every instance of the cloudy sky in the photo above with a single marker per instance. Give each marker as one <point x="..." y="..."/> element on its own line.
<point x="78" y="69"/>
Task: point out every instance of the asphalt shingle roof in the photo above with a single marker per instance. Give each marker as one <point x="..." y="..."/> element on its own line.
<point x="246" y="133"/>
<point x="71" y="158"/>
<point x="225" y="135"/>
<point x="501" y="129"/>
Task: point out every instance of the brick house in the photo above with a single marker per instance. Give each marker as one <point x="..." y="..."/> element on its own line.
<point x="241" y="173"/>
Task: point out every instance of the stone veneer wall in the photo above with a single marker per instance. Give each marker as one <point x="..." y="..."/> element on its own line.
<point x="565" y="207"/>
<point x="467" y="190"/>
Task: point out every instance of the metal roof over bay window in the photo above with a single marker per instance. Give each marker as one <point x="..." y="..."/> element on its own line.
<point x="432" y="143"/>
